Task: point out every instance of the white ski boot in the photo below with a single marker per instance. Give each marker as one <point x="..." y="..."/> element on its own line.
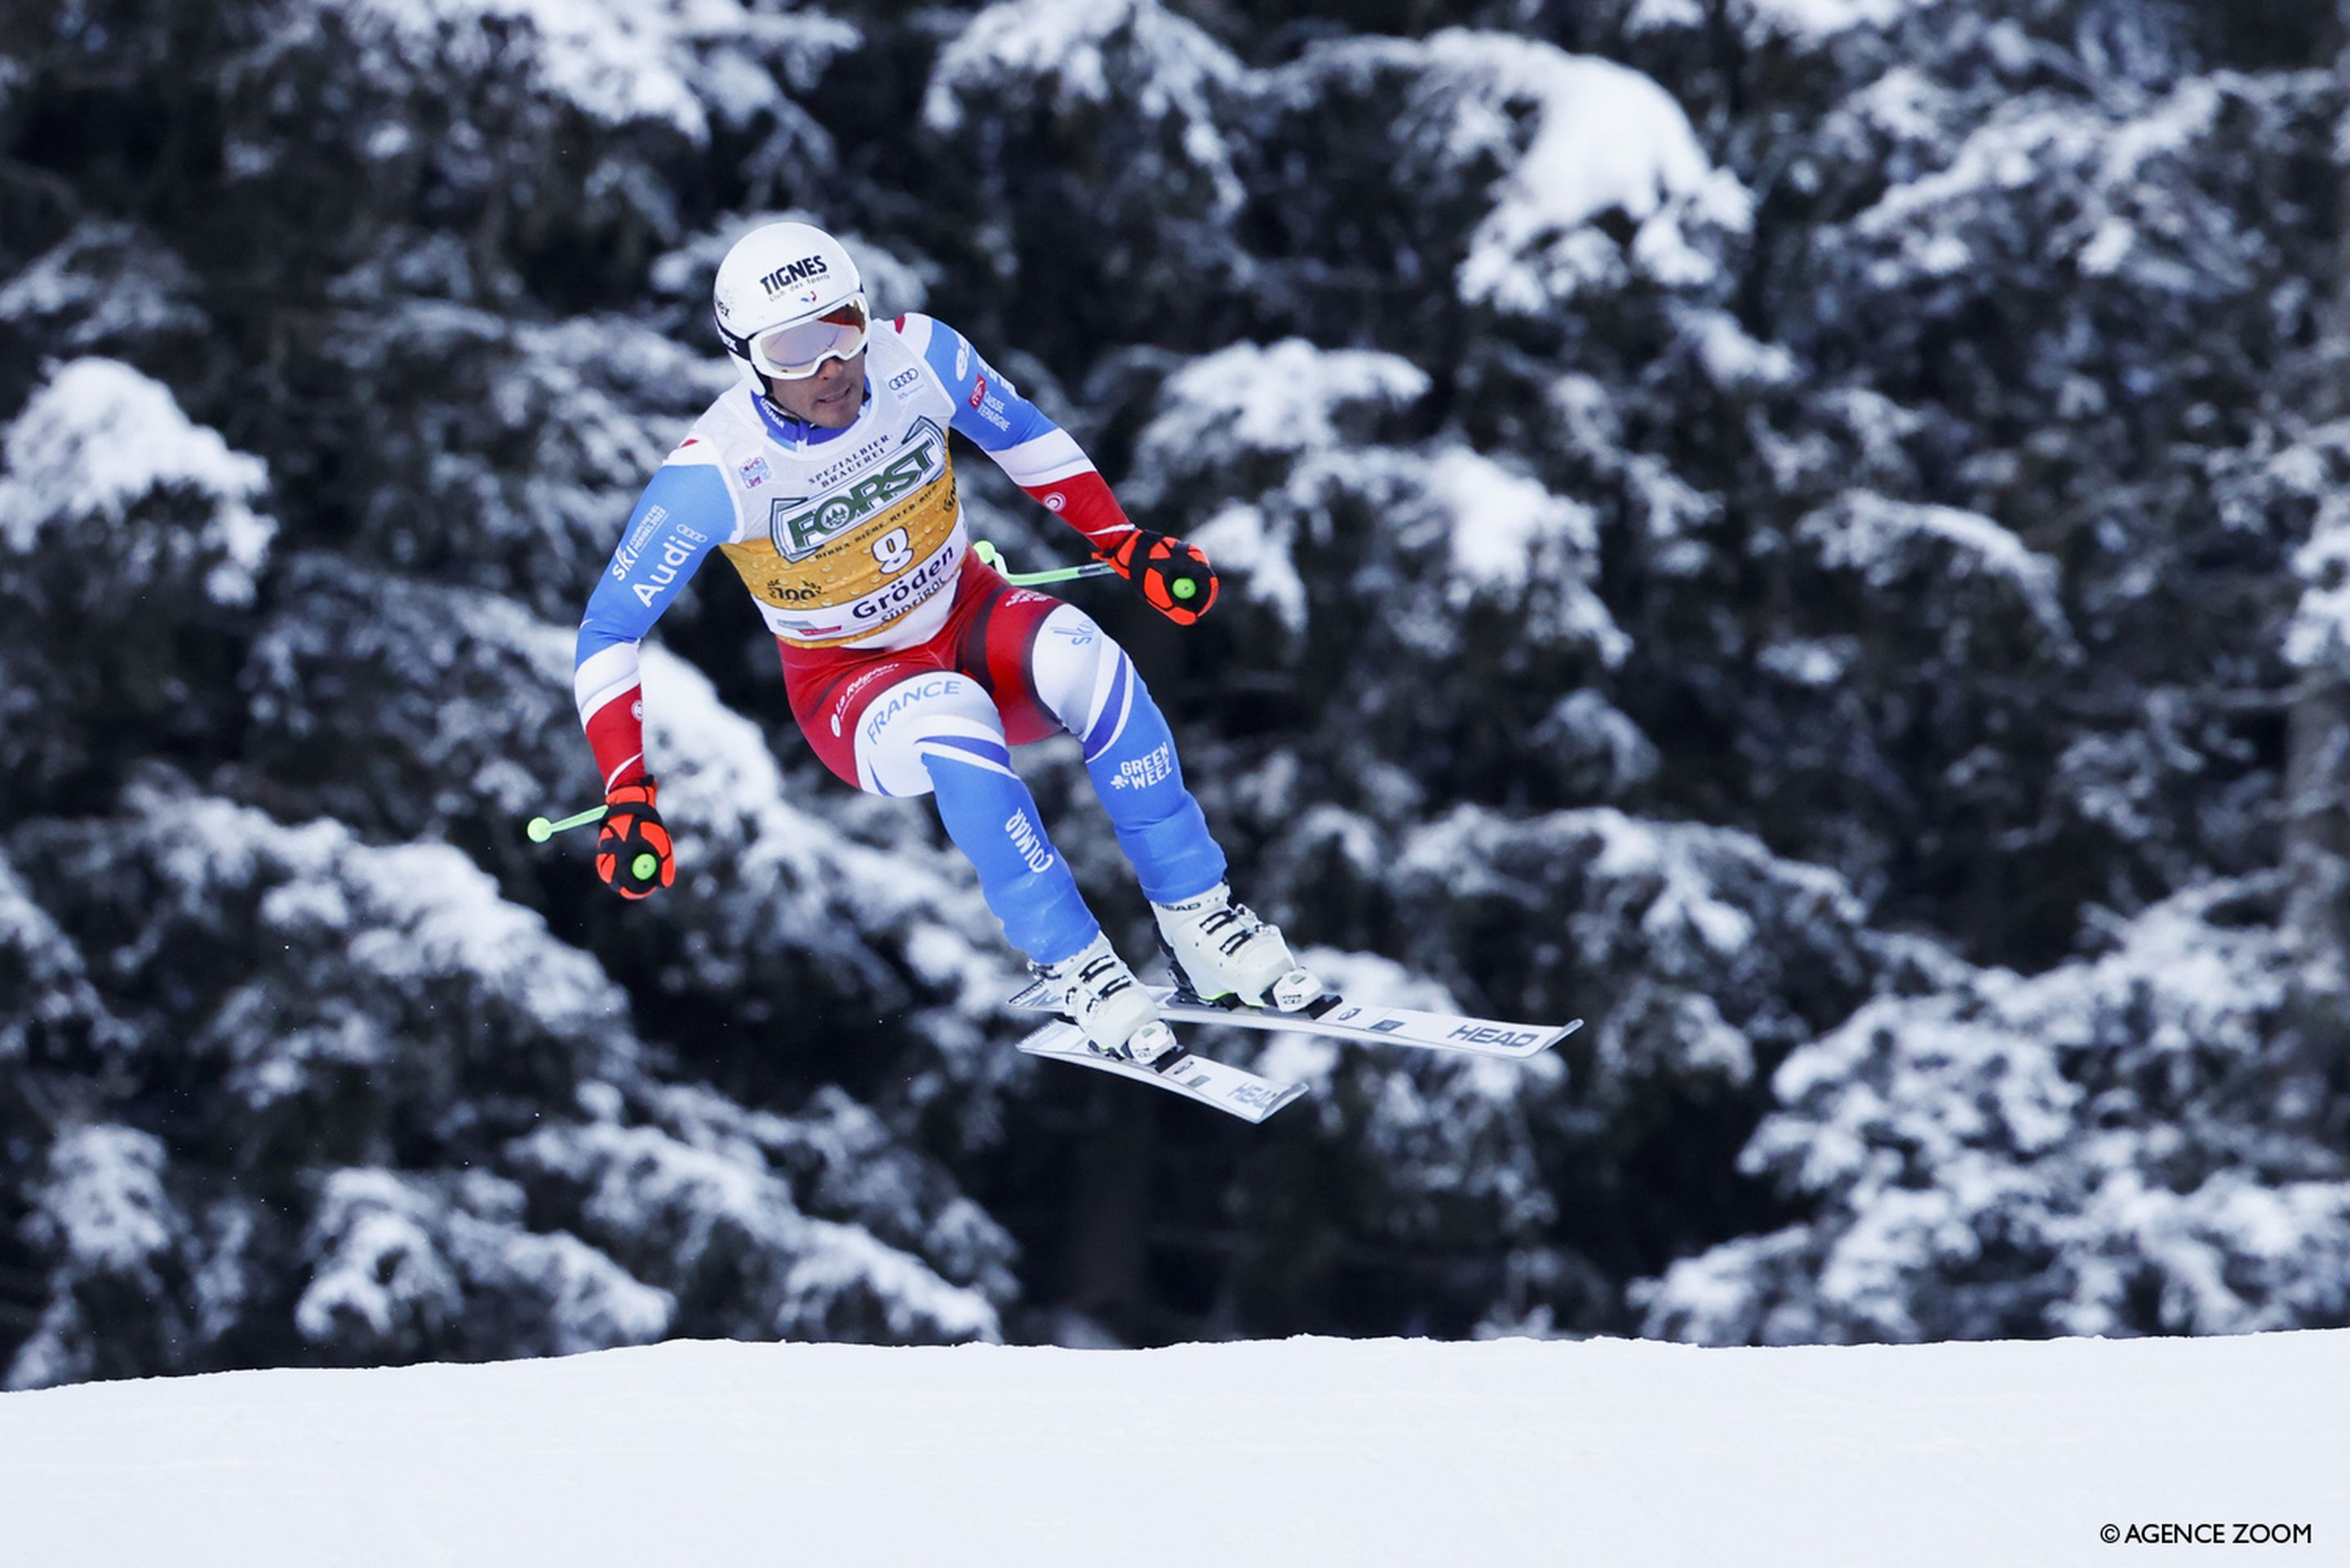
<point x="1221" y="948"/>
<point x="1102" y="997"/>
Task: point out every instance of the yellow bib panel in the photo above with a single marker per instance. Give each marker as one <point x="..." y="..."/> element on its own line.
<point x="839" y="567"/>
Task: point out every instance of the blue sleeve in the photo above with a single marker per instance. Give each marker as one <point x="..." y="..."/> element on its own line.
<point x="988" y="408"/>
<point x="682" y="515"/>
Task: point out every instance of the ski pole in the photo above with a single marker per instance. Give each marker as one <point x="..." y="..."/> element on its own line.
<point x="540" y="830"/>
<point x="989" y="555"/>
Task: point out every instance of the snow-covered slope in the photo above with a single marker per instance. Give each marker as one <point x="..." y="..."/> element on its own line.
<point x="1303" y="1452"/>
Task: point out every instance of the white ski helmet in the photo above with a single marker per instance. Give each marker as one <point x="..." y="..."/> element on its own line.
<point x="788" y="275"/>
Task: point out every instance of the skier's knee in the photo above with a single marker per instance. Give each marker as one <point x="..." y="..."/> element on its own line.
<point x="1078" y="669"/>
<point x="1086" y="679"/>
<point x="920" y="718"/>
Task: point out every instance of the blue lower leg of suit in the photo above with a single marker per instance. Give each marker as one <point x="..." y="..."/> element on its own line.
<point x="993" y="820"/>
<point x="1131" y="754"/>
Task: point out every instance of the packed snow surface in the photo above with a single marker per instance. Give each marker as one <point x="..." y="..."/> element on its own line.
<point x="1303" y="1451"/>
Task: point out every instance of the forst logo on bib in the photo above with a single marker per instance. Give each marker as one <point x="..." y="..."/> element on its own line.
<point x="798" y="526"/>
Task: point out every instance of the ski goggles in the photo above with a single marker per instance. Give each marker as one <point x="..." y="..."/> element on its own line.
<point x="798" y="349"/>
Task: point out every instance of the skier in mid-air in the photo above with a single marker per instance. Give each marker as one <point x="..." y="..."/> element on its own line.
<point x="911" y="665"/>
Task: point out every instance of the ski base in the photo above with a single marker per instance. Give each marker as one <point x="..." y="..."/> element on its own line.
<point x="1336" y="1017"/>
<point x="1226" y="1087"/>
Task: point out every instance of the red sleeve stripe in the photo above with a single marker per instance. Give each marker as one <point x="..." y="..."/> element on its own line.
<point x="616" y="734"/>
<point x="599" y="701"/>
<point x="1083" y="502"/>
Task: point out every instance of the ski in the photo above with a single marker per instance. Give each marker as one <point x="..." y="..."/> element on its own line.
<point x="1336" y="1017"/>
<point x="1226" y="1087"/>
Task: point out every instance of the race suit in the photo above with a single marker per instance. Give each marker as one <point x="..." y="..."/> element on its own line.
<point x="911" y="667"/>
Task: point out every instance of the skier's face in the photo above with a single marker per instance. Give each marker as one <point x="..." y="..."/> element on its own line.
<point x="830" y="399"/>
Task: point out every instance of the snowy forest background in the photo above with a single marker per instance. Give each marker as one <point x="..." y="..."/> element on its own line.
<point x="1809" y="533"/>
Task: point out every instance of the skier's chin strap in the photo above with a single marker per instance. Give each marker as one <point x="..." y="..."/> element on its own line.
<point x="797" y="429"/>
